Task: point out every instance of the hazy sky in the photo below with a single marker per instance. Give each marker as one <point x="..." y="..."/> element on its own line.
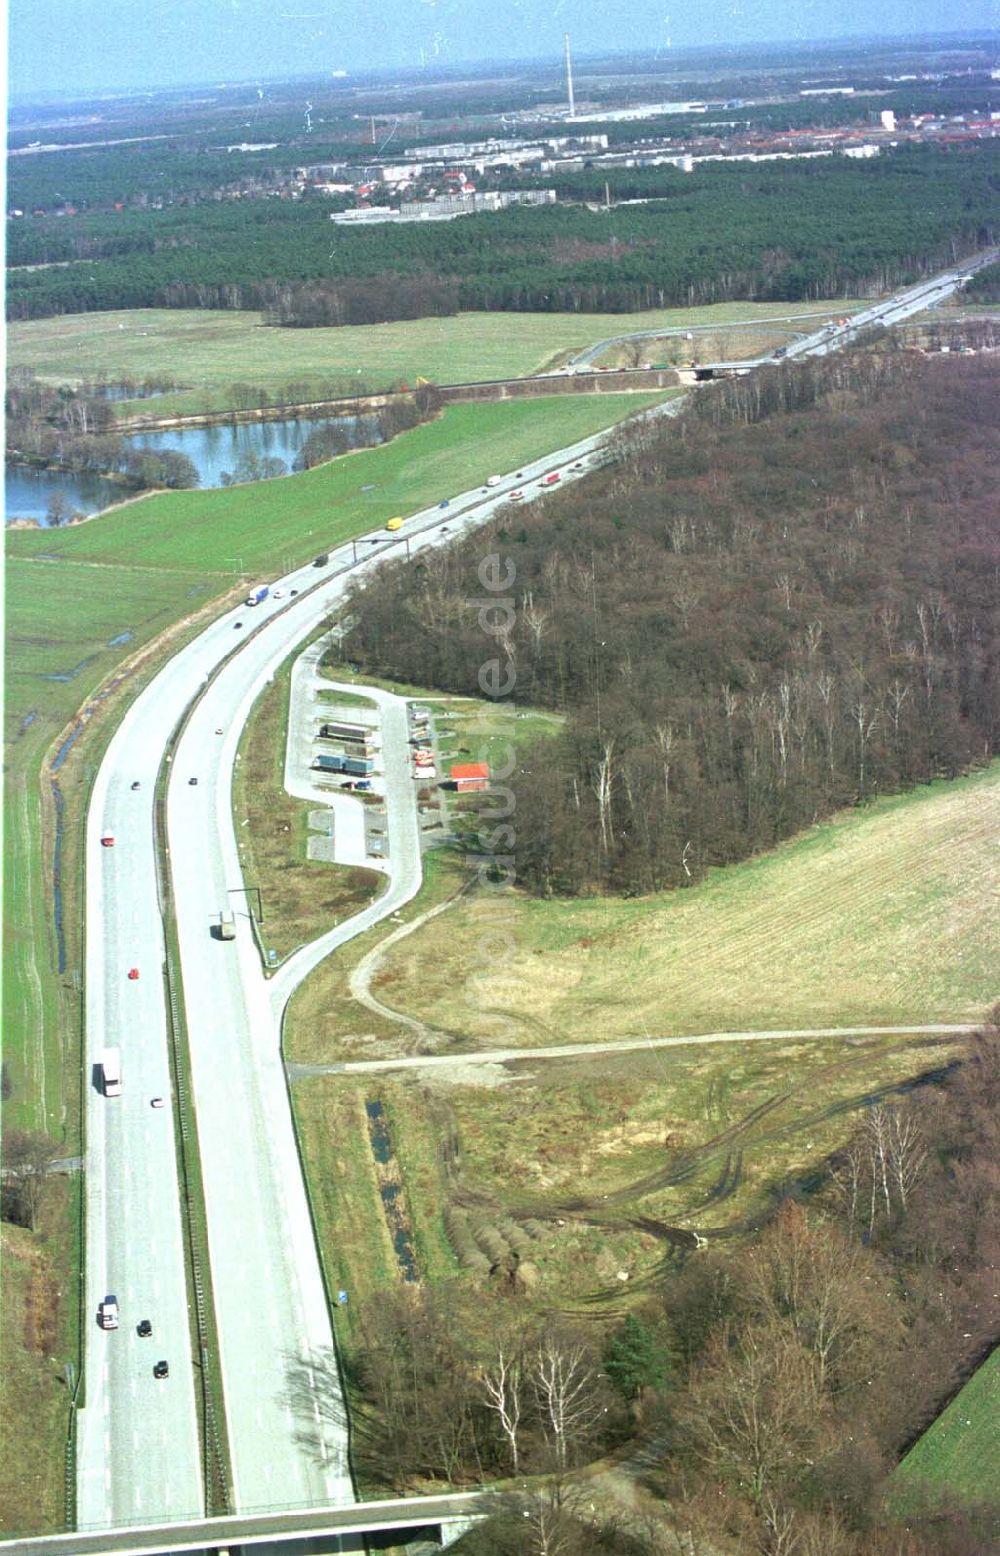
<point x="79" y="46"/>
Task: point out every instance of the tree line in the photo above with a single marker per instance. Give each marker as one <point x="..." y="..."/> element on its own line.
<point x="782" y="602"/>
<point x="768" y="231"/>
<point x="984" y="286"/>
<point x="74" y="429"/>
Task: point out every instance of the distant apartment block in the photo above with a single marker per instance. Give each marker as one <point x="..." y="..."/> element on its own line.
<point x="465" y="151"/>
<point x="446" y="208"/>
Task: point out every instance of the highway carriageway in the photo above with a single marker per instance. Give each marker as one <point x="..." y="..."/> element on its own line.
<point x="286" y="1527"/>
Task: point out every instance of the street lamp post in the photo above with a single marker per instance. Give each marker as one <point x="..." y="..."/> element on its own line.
<point x="246" y="890"/>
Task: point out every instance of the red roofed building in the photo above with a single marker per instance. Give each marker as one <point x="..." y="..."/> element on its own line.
<point x="470" y="775"/>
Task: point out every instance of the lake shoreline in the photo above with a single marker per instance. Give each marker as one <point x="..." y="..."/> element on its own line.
<point x="352" y="409"/>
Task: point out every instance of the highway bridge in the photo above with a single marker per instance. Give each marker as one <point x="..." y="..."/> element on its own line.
<point x="314" y="1530"/>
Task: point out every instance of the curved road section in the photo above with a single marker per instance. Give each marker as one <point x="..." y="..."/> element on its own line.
<point x="137" y="1449"/>
<point x="138" y="1454"/>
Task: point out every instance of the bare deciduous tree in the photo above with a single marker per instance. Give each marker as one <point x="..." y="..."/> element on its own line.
<point x="503" y="1383"/>
<point x="603" y="785"/>
<point x="814" y="1279"/>
<point x="568" y="1393"/>
<point x="27" y="1158"/>
<point x="753" y="1409"/>
<point x="876" y="1173"/>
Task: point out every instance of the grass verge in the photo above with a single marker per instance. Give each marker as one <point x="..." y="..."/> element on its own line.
<point x="39" y="1339"/>
<point x="216" y="1464"/>
<point x="956" y="1458"/>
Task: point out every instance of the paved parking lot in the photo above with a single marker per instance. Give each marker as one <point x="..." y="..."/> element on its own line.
<point x="347" y="829"/>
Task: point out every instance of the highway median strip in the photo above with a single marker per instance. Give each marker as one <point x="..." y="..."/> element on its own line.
<point x="217" y="1469"/>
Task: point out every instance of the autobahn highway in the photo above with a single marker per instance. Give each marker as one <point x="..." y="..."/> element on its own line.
<point x="892" y="310"/>
<point x="132" y="1205"/>
<point x="888" y="311"/>
<point x="137" y="1450"/>
<point x="138" y="1457"/>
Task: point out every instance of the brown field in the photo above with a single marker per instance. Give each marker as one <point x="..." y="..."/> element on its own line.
<point x="591" y="1172"/>
<point x="38" y="1337"/>
<point x="878" y="917"/>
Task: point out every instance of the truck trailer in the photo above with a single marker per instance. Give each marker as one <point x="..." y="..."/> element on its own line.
<point x="111" y="1071"/>
<point x="338" y="762"/>
<point x="258" y="594"/>
<point x="354" y="734"/>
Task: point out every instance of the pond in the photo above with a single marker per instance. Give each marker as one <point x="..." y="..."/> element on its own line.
<point x="28" y="493"/>
<point x="212" y="450"/>
<point x="220" y="447"/>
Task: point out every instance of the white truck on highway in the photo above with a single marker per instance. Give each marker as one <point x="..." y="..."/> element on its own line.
<point x="227" y="925"/>
<point x="111" y="1071"/>
<point x="107" y="1313"/>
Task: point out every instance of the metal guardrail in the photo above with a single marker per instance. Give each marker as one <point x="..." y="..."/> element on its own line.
<point x="214" y="1459"/>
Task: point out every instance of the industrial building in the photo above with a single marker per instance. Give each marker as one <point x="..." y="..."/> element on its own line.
<point x="445" y="207"/>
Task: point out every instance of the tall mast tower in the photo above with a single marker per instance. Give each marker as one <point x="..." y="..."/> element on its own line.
<point x="569" y="78"/>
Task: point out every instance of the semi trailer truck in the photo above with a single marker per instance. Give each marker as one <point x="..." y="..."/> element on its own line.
<point x="352" y="734"/>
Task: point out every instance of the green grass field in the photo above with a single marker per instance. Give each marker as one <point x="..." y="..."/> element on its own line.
<point x="62" y="620"/>
<point x="956" y="1459"/>
<point x="210" y="350"/>
<point x="877" y="917"/>
<point x="272" y="525"/>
